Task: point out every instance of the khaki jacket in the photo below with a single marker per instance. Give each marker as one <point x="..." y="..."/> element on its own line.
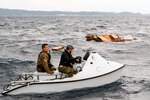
<point x="44" y="61"/>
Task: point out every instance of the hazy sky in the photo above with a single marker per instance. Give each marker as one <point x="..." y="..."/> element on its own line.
<point x="142" y="6"/>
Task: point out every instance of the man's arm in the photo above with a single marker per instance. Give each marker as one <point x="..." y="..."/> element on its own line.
<point x="44" y="59"/>
<point x="70" y="60"/>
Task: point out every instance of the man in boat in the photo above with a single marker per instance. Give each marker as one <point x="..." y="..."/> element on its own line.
<point x="67" y="61"/>
<point x="44" y="64"/>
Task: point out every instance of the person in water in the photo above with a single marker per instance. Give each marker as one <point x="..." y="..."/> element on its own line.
<point x="43" y="63"/>
<point x="67" y="61"/>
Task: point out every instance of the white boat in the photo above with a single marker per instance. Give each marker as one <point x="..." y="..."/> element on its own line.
<point x="96" y="71"/>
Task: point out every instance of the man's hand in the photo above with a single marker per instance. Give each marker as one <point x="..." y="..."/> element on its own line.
<point x="53" y="68"/>
<point x="78" y="57"/>
<point x="51" y="72"/>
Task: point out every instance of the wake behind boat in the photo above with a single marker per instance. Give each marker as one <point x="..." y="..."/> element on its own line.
<point x="95" y="71"/>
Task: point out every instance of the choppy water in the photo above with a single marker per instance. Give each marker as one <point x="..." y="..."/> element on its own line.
<point x="21" y="39"/>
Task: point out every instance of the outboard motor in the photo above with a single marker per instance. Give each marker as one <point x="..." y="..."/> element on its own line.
<point x="86" y="56"/>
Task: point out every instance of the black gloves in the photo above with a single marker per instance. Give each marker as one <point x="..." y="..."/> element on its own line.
<point x="78" y="59"/>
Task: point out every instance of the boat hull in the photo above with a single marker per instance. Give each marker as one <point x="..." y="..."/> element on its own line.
<point x="60" y="86"/>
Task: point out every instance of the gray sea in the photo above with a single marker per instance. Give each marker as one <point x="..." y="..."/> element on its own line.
<point x="21" y="39"/>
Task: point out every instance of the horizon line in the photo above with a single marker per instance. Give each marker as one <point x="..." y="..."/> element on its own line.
<point x="73" y="11"/>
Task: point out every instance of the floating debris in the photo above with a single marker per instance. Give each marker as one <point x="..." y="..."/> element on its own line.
<point x="108" y="38"/>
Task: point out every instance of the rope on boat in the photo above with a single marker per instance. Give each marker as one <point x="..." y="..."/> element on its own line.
<point x="21" y="77"/>
<point x="25" y="77"/>
<point x="6" y="87"/>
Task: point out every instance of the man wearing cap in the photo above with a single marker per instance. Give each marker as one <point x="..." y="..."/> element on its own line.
<point x="43" y="63"/>
<point x="67" y="61"/>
